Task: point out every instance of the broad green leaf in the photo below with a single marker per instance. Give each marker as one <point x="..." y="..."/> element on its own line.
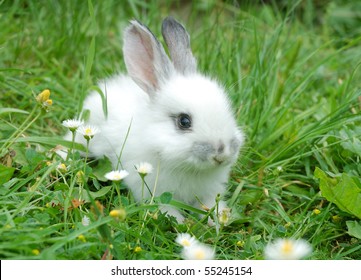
<point x="102" y="192"/>
<point x="5" y="173"/>
<point x="103" y="166"/>
<point x="165" y="197"/>
<point x="354" y="229"/>
<point x="94" y="195"/>
<point x="33" y="157"/>
<point x="344" y="191"/>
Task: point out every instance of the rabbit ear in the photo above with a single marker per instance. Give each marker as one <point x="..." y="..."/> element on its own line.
<point x="178" y="42"/>
<point x="145" y="58"/>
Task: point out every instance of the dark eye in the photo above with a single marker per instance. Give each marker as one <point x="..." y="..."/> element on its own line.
<point x="184" y="121"/>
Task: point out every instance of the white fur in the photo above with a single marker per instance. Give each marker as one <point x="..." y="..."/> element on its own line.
<point x="180" y="166"/>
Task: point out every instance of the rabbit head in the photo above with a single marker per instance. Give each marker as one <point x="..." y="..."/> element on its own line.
<point x="189" y="123"/>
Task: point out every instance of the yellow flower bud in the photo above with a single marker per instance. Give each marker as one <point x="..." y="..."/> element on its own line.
<point x="336" y="218"/>
<point x="44" y="99"/>
<point x="35" y="252"/>
<point x="224" y="216"/>
<point x="316" y="211"/>
<point x="82" y="238"/>
<point x="62" y="167"/>
<point x="80" y="178"/>
<point x="43" y="96"/>
<point x="288" y="224"/>
<point x="118" y="213"/>
<point x="137" y="249"/>
<point x="48" y="102"/>
<point x="240" y="243"/>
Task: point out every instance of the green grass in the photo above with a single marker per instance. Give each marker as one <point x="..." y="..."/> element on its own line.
<point x="292" y="72"/>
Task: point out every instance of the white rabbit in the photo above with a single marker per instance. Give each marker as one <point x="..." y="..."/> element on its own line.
<point x="178" y="120"/>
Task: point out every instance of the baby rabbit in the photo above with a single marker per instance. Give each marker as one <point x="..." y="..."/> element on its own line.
<point x="168" y="114"/>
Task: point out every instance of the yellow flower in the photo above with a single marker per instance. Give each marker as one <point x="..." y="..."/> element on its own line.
<point x="35" y="252"/>
<point x="62" y="167"/>
<point x="137" y="249"/>
<point x="336" y="218"/>
<point x="48" y="102"/>
<point x="43" y="96"/>
<point x="82" y="238"/>
<point x="44" y="99"/>
<point x="118" y="213"/>
<point x="240" y="243"/>
<point x="316" y="211"/>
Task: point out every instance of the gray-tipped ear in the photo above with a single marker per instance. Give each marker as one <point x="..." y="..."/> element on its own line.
<point x="145" y="58"/>
<point x="178" y="42"/>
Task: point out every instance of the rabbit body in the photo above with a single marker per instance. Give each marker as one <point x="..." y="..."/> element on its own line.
<point x="169" y="115"/>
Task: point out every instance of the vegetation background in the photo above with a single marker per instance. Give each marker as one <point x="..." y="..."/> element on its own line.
<point x="292" y="71"/>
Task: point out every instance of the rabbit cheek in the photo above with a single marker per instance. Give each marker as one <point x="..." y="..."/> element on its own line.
<point x="203" y="151"/>
<point x="235" y="145"/>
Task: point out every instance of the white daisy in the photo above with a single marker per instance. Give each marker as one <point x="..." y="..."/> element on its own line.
<point x="72" y="124"/>
<point x="287" y="249"/>
<point x="85" y="221"/>
<point x="116" y="175"/>
<point x="144" y="168"/>
<point x="185" y="239"/>
<point x="88" y="131"/>
<point x="224" y="216"/>
<point x="198" y="251"/>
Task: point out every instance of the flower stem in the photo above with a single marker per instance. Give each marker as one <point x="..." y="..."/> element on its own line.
<point x="73" y="132"/>
<point x="85" y="162"/>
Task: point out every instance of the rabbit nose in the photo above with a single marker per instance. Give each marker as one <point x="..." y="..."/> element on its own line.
<point x="220" y="148"/>
<point x="221" y="156"/>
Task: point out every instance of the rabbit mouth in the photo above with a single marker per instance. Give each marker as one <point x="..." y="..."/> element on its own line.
<point x="219" y="160"/>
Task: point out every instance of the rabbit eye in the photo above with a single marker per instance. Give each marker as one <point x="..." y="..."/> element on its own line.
<point x="184" y="121"/>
